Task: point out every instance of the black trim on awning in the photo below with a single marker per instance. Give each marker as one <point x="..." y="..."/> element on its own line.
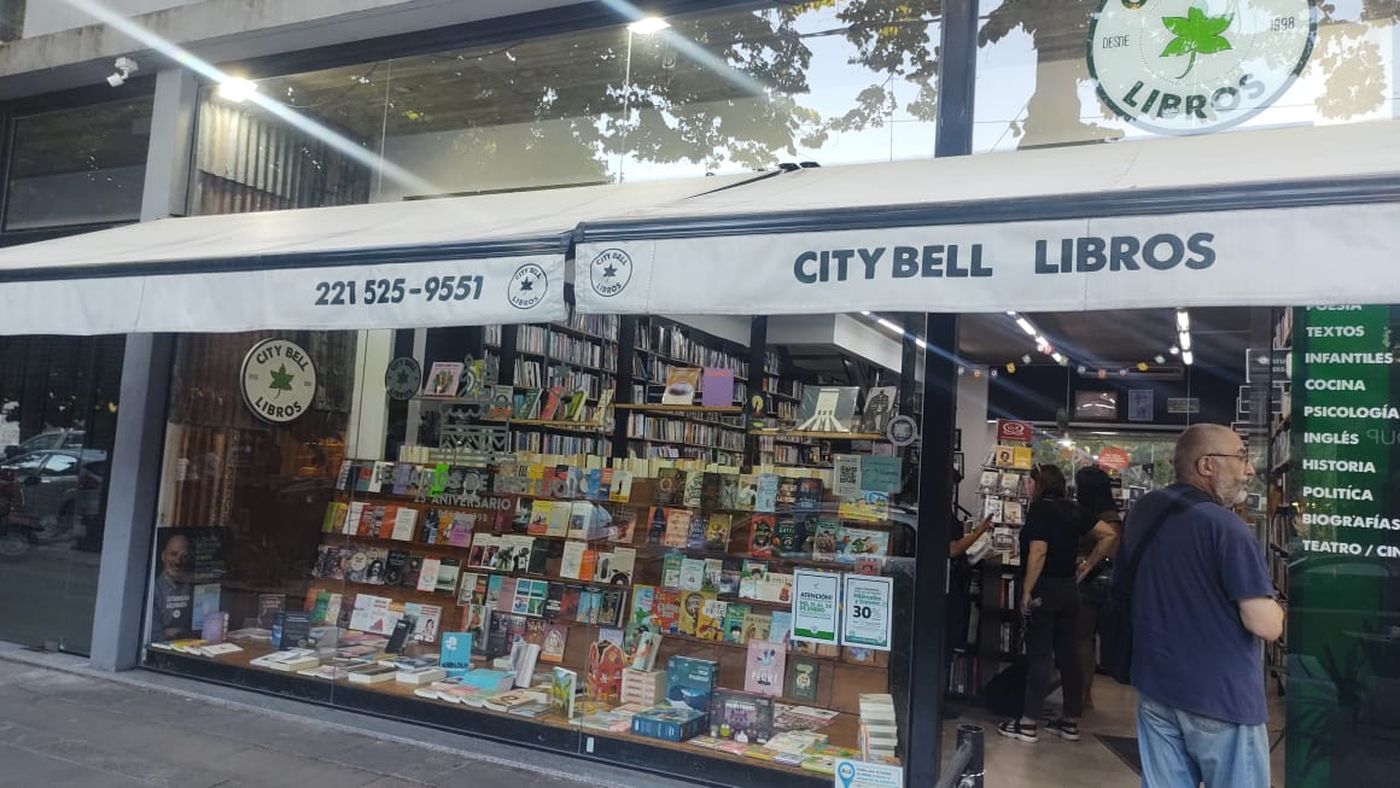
<point x="1283" y="194"/>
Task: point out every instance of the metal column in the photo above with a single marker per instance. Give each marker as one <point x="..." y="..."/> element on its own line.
<point x="134" y="484"/>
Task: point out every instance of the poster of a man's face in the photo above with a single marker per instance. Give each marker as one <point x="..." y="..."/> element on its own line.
<point x="184" y="557"/>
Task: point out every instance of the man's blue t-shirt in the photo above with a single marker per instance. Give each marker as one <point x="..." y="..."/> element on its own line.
<point x="1190" y="649"/>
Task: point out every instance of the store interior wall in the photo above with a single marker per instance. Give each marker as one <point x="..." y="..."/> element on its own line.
<point x="977" y="434"/>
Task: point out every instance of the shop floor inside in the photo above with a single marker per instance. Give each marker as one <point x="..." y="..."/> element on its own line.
<point x="1090" y="762"/>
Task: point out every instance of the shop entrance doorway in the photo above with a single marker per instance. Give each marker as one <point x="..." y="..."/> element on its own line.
<point x="1103" y="398"/>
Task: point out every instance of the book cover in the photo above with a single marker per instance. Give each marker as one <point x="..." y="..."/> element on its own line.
<point x="681" y="385"/>
<point x="539" y="517"/>
<point x="671" y="570"/>
<point x="668" y="487"/>
<point x="734" y="616"/>
<point x="693" y="489"/>
<point x="500" y="403"/>
<point x="714" y="574"/>
<point x="881" y="405"/>
<point x="692" y="575"/>
<point x="581" y="520"/>
<point x="677" y="527"/>
<point x="460" y="531"/>
<point x="1021" y="458"/>
<point x="335" y="516"/>
<point x="269" y="605"/>
<point x="657" y="519"/>
<point x="428" y="574"/>
<point x="710" y="623"/>
<point x="691" y="604"/>
<point x="802" y="678"/>
<point x="588" y="565"/>
<point x="559" y="515"/>
<point x="741" y="716"/>
<point x="618" y="566"/>
<point x="717" y="388"/>
<point x="825" y="540"/>
<point x="550" y="410"/>
<point x="405" y="522"/>
<point x="857" y="543"/>
<point x="621" y="488"/>
<point x="624" y="526"/>
<point x="788" y="536"/>
<point x="448" y="569"/>
<point x="787" y="494"/>
<point x="455" y="653"/>
<point x="766" y="495"/>
<point x="556" y="638"/>
<point x="667" y="610"/>
<point x="563" y="690"/>
<point x="780" y="627"/>
<point x="761" y="527"/>
<point x="728" y="491"/>
<point x="809" y="495"/>
<point x="764" y="669"/>
<point x="712" y="484"/>
<point x="443" y="379"/>
<point x="695" y="534"/>
<point x="690" y="682"/>
<point x="572" y="561"/>
<point x="870" y="506"/>
<point x="746" y="492"/>
<point x="605" y="665"/>
<point x="757" y="626"/>
<point x="644" y="655"/>
<point x="827" y="408"/>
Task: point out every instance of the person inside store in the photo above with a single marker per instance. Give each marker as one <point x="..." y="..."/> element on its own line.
<point x="172" y="603"/>
<point x="1050" y="602"/>
<point x="959" y="575"/>
<point x="1201" y="602"/>
<point x="1093" y="491"/>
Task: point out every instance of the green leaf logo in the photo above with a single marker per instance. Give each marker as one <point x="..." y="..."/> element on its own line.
<point x="1196" y="34"/>
<point x="281" y="381"/>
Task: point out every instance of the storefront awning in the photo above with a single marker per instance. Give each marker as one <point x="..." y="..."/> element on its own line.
<point x="1291" y="216"/>
<point x="453" y="261"/>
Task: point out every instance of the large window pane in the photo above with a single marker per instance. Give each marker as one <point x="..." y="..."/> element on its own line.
<point x="78" y="166"/>
<point x="58" y="417"/>
<point x="1034" y="87"/>
<point x="715" y="92"/>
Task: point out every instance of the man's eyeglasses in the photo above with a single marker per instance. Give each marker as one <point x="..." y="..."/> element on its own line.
<point x="1242" y="456"/>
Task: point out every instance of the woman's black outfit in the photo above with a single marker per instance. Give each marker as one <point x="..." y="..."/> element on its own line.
<point x="1058" y="523"/>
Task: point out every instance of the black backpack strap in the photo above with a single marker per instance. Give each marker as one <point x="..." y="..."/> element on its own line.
<point x="1179" y="504"/>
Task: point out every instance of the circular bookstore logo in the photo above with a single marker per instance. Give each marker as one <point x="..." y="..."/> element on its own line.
<point x="610" y="272"/>
<point x="278" y="380"/>
<point x="1191" y="66"/>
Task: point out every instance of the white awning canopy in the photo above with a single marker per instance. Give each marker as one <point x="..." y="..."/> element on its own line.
<point x="452" y="261"/>
<point x="1290" y="216"/>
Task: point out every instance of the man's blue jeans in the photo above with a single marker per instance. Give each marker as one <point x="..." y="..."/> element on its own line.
<point x="1182" y="750"/>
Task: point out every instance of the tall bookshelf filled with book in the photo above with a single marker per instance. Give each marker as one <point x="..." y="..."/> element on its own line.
<point x="1281" y="529"/>
<point x="687" y="393"/>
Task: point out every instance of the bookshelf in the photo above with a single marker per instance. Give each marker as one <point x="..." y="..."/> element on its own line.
<point x="1281" y="528"/>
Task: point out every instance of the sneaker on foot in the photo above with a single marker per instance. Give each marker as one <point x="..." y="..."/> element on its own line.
<point x="1013" y="729"/>
<point x="1065" y="729"/>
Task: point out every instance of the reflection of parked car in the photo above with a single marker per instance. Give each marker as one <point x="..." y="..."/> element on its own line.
<point x="45" y="441"/>
<point x="51" y="491"/>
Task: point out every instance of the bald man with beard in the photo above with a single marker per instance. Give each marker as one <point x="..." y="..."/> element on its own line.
<point x="1201" y="602"/>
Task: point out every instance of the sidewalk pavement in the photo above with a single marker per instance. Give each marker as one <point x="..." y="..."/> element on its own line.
<point x="64" y="723"/>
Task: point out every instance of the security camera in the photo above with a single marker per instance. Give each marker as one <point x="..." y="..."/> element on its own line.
<point x="125" y="68"/>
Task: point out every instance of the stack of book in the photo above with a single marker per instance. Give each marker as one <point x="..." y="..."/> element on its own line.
<point x="879" y="731"/>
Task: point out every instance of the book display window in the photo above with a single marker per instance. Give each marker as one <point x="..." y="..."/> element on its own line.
<point x="632" y="538"/>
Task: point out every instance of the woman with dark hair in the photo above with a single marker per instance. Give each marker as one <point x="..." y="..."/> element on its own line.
<point x="1094" y="492"/>
<point x="1050" y="602"/>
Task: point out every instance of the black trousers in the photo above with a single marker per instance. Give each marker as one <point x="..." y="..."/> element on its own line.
<point x="1050" y="630"/>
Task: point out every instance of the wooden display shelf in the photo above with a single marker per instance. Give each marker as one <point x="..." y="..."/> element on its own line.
<point x="850" y="436"/>
<point x="842" y="731"/>
<point x="556" y="424"/>
<point x="690" y="444"/>
<point x="658" y="549"/>
<point x="730" y="409"/>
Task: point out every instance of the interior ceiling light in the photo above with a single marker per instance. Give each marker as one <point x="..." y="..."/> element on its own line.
<point x="1026" y="326"/>
<point x="237" y="89"/>
<point x="1175" y="351"/>
<point x="1160" y="359"/>
<point x="1188" y="358"/>
<point x="648" y="25"/>
<point x="1185" y="341"/>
